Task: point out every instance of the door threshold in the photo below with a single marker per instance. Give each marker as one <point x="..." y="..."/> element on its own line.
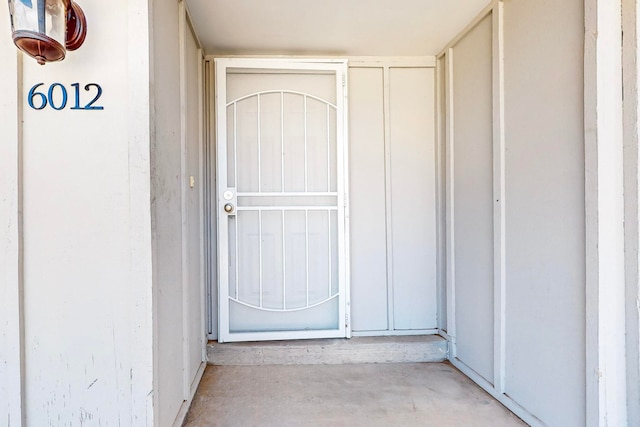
<point x="331" y="351"/>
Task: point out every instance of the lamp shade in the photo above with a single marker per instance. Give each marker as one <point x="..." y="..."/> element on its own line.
<point x="45" y="29"/>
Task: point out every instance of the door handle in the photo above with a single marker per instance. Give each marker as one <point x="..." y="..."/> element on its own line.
<point x="228" y="208"/>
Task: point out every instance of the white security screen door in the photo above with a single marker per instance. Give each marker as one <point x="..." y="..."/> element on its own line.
<point x="281" y="157"/>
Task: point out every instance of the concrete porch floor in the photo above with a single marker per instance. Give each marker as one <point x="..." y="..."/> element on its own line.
<point x="411" y="394"/>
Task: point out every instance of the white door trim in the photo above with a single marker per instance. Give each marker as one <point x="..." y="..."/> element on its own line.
<point x="606" y="376"/>
<point x="339" y="67"/>
<point x="631" y="156"/>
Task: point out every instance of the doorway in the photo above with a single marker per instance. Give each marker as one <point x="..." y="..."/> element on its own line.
<point x="282" y="199"/>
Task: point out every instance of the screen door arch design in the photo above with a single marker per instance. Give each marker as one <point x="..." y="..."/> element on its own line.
<point x="281" y="199"/>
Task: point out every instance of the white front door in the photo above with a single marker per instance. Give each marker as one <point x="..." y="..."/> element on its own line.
<point x="281" y="157"/>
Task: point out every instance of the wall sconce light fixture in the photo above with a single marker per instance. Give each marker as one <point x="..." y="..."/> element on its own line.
<point x="46" y="29"/>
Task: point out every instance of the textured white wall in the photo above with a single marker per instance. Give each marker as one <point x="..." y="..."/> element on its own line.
<point x="95" y="345"/>
<point x="367" y="199"/>
<point x="167" y="211"/>
<point x="194" y="296"/>
<point x="392" y="198"/>
<point x="544" y="160"/>
<point x="175" y="156"/>
<point x="412" y="198"/>
<point x="541" y="367"/>
<point x="87" y="349"/>
<point x="10" y="244"/>
<point x="545" y="209"/>
<point x="472" y="152"/>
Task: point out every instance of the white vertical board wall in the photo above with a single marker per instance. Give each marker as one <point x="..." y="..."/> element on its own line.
<point x="441" y="193"/>
<point x="193" y="202"/>
<point x="472" y="154"/>
<point x="167" y="212"/>
<point x="11" y="283"/>
<point x="533" y="305"/>
<point x="367" y="182"/>
<point x="86" y="227"/>
<point x="176" y="224"/>
<point x="87" y="334"/>
<point x="392" y="187"/>
<point x="412" y="202"/>
<point x="545" y="209"/>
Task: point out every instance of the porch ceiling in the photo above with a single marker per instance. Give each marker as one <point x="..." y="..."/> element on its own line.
<point x="330" y="27"/>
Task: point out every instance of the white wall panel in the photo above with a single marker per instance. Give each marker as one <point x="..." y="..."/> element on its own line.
<point x="367" y="204"/>
<point x="167" y="214"/>
<point x="473" y="195"/>
<point x="87" y="254"/>
<point x="441" y="180"/>
<point x="545" y="209"/>
<point x="392" y="185"/>
<point x="412" y="161"/>
<point x="195" y="327"/>
<point x="544" y="296"/>
<point x="11" y="348"/>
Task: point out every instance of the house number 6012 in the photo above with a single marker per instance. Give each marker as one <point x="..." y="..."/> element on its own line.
<point x="57" y="97"/>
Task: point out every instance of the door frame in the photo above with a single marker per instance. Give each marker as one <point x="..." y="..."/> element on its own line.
<point x="340" y="68"/>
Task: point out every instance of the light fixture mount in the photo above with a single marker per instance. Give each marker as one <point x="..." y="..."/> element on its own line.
<point x="76" y="26"/>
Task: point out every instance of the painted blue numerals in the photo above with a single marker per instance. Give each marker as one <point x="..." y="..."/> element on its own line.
<point x="90" y="105"/>
<point x="41" y="96"/>
<point x="63" y="91"/>
<point x="57" y="97"/>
